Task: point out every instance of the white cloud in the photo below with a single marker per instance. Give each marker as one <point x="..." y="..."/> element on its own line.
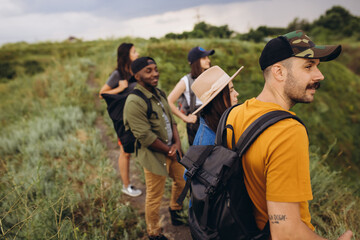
<point x="159" y="25"/>
<point x="9" y="8"/>
<point x="239" y="16"/>
<point x="40" y="27"/>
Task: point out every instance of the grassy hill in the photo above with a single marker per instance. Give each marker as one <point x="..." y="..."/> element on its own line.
<point x="55" y="178"/>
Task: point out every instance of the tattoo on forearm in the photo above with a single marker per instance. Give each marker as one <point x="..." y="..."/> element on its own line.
<point x="277" y="218"/>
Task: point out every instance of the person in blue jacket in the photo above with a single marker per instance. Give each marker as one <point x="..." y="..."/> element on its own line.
<point x="216" y="91"/>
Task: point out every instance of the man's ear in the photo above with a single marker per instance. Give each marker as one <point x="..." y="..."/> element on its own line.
<point x="136" y="76"/>
<point x="279" y="72"/>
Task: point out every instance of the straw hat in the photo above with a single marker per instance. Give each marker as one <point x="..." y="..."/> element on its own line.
<point x="210" y="83"/>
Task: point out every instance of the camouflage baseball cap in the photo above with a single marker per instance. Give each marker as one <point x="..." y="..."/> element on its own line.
<point x="296" y="44"/>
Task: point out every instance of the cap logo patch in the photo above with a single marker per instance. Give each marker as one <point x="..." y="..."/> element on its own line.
<point x="300" y="40"/>
<point x="306" y="54"/>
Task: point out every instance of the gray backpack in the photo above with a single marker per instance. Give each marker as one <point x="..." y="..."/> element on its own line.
<point x="221" y="207"/>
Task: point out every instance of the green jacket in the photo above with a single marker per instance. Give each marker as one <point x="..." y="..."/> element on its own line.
<point x="147" y="130"/>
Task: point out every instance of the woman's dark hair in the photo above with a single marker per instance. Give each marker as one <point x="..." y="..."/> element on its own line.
<point x="196" y="69"/>
<point x="123" y="60"/>
<point x="213" y="110"/>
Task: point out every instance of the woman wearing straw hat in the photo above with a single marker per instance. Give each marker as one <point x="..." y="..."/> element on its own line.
<point x="216" y="91"/>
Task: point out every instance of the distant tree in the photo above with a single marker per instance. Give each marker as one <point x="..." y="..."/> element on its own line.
<point x="334" y="18"/>
<point x="221" y="32"/>
<point x="335" y="24"/>
<point x="252" y="35"/>
<point x="172" y="36"/>
<point x="352" y="28"/>
<point x="203" y="30"/>
<point x="339" y="21"/>
<point x="261" y="33"/>
<point x="202" y="26"/>
<point x="298" y="24"/>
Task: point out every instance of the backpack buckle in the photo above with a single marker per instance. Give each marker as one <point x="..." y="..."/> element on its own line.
<point x="191" y="172"/>
<point x="210" y="190"/>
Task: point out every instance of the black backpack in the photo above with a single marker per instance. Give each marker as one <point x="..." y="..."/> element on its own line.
<point x="182" y="103"/>
<point x="221" y="207"/>
<point x="115" y="107"/>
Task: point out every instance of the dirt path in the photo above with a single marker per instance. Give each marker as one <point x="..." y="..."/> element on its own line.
<point x="172" y="232"/>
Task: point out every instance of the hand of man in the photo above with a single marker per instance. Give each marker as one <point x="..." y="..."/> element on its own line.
<point x="172" y="152"/>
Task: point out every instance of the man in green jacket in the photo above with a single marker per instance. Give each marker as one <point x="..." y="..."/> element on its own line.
<point x="159" y="140"/>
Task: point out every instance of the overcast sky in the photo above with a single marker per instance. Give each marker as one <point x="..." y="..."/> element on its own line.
<point x="56" y="20"/>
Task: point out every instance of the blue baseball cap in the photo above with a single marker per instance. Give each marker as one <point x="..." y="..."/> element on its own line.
<point x="198" y="52"/>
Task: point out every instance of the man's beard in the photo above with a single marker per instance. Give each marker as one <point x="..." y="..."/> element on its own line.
<point x="291" y="90"/>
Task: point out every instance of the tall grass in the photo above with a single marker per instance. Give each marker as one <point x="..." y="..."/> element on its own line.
<point x="334" y="208"/>
<point x="56" y="181"/>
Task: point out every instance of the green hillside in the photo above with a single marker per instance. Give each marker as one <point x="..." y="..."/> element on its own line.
<point x="55" y="178"/>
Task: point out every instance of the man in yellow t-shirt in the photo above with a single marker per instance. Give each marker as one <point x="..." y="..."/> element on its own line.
<point x="276" y="166"/>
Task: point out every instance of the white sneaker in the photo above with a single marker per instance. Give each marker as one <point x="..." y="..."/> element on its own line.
<point x="131" y="191"/>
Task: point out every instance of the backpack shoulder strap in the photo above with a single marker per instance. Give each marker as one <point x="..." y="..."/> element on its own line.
<point x="192" y="94"/>
<point x="147" y="101"/>
<point x="162" y="93"/>
<point x="220" y="138"/>
<point x="259" y="126"/>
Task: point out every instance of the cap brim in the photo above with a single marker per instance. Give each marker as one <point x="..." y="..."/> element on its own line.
<point x="208" y="53"/>
<point x="218" y="91"/>
<point x="324" y="53"/>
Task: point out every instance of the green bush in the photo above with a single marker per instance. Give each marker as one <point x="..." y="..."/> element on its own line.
<point x="7" y="72"/>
